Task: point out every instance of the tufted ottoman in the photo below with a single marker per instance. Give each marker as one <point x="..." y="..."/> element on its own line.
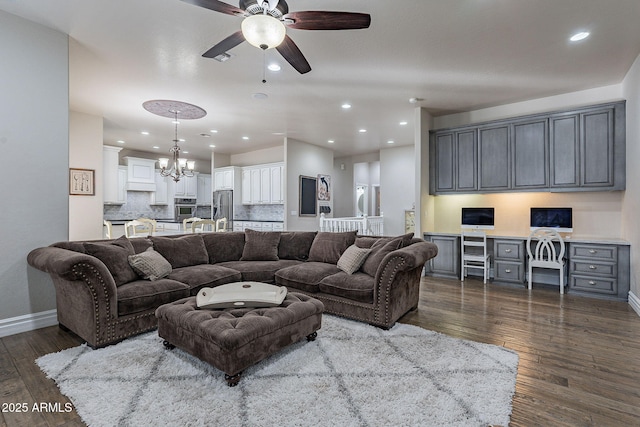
<point x="233" y="339"/>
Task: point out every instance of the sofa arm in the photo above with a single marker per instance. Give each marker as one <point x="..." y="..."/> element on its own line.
<point x="397" y="281"/>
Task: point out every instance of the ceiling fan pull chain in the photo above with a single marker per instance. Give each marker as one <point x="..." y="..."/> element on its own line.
<point x="264" y="65"/>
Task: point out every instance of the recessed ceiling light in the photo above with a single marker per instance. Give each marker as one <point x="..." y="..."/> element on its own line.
<point x="260" y="95"/>
<point x="182" y="140"/>
<point x="346" y="106"/>
<point x="212" y="146"/>
<point x="391" y="142"/>
<point x="403" y="123"/>
<point x="156" y="147"/>
<point x="274" y="67"/>
<point x="579" y="36"/>
<point x="175" y="122"/>
<point x="185" y="152"/>
<point x="214" y="131"/>
<point x="246" y="138"/>
<point x="362" y="130"/>
<point x="331" y="141"/>
<point x="144" y="132"/>
<point x="120" y="141"/>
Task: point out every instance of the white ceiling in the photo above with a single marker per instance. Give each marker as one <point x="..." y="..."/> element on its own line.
<point x="457" y="55"/>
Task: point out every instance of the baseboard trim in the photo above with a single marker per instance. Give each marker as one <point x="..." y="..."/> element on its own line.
<point x="634" y="302"/>
<point x="28" y="322"/>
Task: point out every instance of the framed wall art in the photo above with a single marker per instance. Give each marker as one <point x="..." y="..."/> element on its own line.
<point x="82" y="182"/>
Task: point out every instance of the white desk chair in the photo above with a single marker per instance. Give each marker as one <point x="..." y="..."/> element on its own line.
<point x="109" y="229"/>
<point x="546" y="254"/>
<point x="203" y="226"/>
<point x="137" y="228"/>
<point x="474" y="253"/>
<point x="221" y="224"/>
<point x="186" y="223"/>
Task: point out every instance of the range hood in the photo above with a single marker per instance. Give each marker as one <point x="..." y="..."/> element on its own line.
<point x="140" y="174"/>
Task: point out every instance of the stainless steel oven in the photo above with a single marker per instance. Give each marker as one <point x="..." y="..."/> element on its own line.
<point x="184" y="208"/>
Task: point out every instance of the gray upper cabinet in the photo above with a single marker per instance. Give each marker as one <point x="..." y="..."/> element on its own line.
<point x="578" y="150"/>
<point x="530" y="158"/>
<point x="494" y="158"/>
<point x="455" y="154"/>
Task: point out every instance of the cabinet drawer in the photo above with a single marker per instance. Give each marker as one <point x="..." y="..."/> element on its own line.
<point x="508" y="249"/>
<point x="594" y="285"/>
<point x="595" y="252"/>
<point x="593" y="268"/>
<point x="278" y="226"/>
<point x="508" y="271"/>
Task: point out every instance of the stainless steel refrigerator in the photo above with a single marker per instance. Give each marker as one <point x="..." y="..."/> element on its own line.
<point x="223" y="206"/>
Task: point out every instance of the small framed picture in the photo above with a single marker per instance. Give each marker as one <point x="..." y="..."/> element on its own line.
<point x="82" y="182"/>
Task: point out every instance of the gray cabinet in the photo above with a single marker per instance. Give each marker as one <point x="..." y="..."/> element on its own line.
<point x="578" y="150"/>
<point x="529" y="155"/>
<point x="455" y="154"/>
<point x="509" y="260"/>
<point x="599" y="270"/>
<point x="447" y="262"/>
<point x="493" y="154"/>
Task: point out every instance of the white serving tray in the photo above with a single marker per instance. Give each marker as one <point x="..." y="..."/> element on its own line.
<point x="241" y="294"/>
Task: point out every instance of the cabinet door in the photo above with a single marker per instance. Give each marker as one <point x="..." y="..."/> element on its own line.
<point x="161" y="195"/>
<point x="529" y="153"/>
<point x="255" y="186"/>
<point x="218" y="180"/>
<point x="447" y="262"/>
<point x="277" y="187"/>
<point x="191" y="186"/>
<point x="444" y="163"/>
<point x="596" y="146"/>
<point x="122" y="185"/>
<point x="227" y="179"/>
<point x="204" y="189"/>
<point x="494" y="158"/>
<point x="564" y="150"/>
<point x="466" y="153"/>
<point x="246" y="187"/>
<point x="265" y="185"/>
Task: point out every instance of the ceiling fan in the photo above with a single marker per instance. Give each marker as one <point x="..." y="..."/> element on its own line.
<point x="265" y="23"/>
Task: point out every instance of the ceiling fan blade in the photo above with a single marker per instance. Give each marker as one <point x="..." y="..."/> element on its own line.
<point x="290" y="51"/>
<point x="218" y="6"/>
<point x="229" y="43"/>
<point x="325" y="20"/>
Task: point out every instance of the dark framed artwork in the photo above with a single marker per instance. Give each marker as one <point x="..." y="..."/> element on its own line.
<point x="308" y="205"/>
<point x="82" y="182"/>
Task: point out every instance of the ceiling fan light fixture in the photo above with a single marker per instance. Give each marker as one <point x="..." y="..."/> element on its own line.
<point x="263" y="31"/>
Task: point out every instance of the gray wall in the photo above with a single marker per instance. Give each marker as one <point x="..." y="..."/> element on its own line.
<point x="34" y="135"/>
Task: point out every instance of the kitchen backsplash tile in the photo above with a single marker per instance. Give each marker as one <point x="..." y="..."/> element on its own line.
<point x="259" y="212"/>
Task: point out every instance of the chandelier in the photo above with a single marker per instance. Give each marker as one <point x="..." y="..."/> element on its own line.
<point x="175" y="167"/>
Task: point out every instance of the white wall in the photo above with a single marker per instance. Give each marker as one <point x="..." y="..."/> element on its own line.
<point x="34" y="136"/>
<point x="631" y="203"/>
<point x="85" y="140"/>
<point x="397" y="189"/>
<point x="302" y="159"/>
<point x="258" y="157"/>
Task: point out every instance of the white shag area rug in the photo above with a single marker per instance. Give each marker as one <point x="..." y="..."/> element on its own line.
<point x="353" y="375"/>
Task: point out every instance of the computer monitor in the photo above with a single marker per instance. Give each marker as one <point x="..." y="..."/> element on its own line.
<point x="478" y="218"/>
<point x="560" y="219"/>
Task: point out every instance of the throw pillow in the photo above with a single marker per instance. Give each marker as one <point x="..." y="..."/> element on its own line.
<point x="182" y="251"/>
<point x="381" y="248"/>
<point x="114" y="255"/>
<point x="150" y="264"/>
<point x="295" y="244"/>
<point x="223" y="247"/>
<point x="327" y="247"/>
<point x="260" y="245"/>
<point x="351" y="260"/>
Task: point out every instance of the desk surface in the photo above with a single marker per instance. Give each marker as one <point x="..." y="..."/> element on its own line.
<point x="568" y="238"/>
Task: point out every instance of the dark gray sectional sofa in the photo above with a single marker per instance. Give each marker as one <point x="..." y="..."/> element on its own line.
<point x="103" y="300"/>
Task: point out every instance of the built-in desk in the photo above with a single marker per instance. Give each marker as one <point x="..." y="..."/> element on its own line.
<point x="596" y="266"/>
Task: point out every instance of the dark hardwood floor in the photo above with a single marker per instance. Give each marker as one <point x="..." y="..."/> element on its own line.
<point x="579" y="357"/>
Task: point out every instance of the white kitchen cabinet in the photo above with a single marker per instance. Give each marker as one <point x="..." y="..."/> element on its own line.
<point x="161" y="195"/>
<point x="114" y="177"/>
<point x="258" y="225"/>
<point x="226" y="178"/>
<point x="263" y="184"/>
<point x="204" y="190"/>
<point x="187" y="187"/>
